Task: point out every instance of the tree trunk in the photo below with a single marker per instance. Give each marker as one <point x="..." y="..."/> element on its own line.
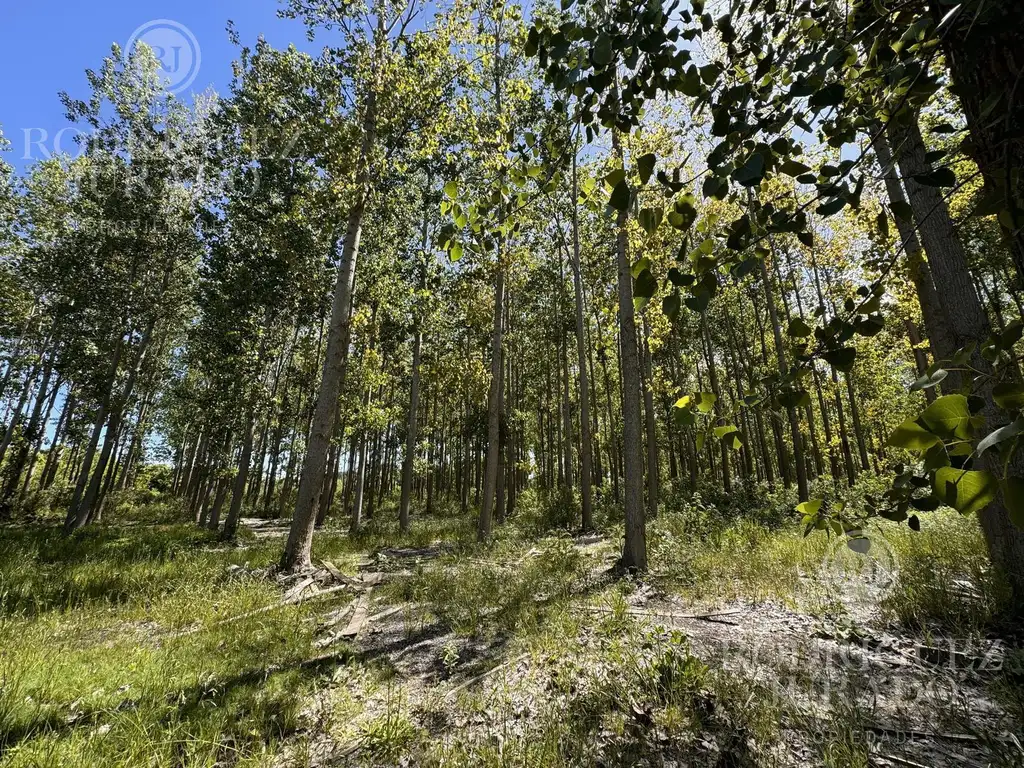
<point x="780" y="353"/>
<point x="634" y="552"/>
<point x="586" y="439"/>
<point x="969" y="324"/>
<point x="300" y="537"/>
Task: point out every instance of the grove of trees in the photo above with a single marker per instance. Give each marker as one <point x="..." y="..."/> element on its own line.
<point x="606" y="252"/>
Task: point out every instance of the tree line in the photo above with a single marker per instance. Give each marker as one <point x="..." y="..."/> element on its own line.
<point x="605" y="254"/>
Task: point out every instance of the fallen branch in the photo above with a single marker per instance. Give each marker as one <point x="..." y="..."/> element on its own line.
<point x="485" y="675"/>
<point x="256" y="612"/>
<point x="713" y="617"/>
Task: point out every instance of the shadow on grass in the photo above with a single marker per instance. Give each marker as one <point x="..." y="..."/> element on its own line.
<point x="42" y="570"/>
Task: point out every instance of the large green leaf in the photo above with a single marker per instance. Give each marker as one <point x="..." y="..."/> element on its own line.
<point x="602" y="52"/>
<point x="1009" y="395"/>
<point x="965" y="491"/>
<point x="751" y="172"/>
<point x="929" y="380"/>
<point x="794" y="168"/>
<point x="650" y="219"/>
<point x="645" y="166"/>
<point x="842" y="358"/>
<point x="913" y="437"/>
<point x="671" y="304"/>
<point x="798" y="328"/>
<point x="949" y="417"/>
<point x="809" y="507"/>
<point x="620" y="196"/>
<point x="643" y="289"/>
<point x="706" y="402"/>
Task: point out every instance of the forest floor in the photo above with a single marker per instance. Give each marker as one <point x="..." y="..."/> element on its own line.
<point x="747" y="644"/>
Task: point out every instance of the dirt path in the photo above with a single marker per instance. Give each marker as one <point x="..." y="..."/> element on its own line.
<point x="915" y="703"/>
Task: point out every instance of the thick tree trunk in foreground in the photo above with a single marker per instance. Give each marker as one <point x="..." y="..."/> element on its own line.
<point x="983" y="47"/>
<point x="935" y="323"/>
<point x="490" y="480"/>
<point x="968" y="324"/>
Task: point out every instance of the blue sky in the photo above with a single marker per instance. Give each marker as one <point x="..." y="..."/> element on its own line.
<point x="46" y="47"/>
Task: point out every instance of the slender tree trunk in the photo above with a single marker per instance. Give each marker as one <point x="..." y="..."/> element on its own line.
<point x="634" y="552"/>
<point x="238" y="492"/>
<point x="300" y="538"/>
<point x="780" y="353"/>
<point x="650" y="424"/>
<point x="586" y="440"/>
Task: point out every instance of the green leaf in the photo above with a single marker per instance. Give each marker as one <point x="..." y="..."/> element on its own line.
<point x="966" y="492"/>
<point x="949" y="417"/>
<point x="829" y="96"/>
<point x="706" y="402"/>
<point x="451" y="190"/>
<point x="809" y="507"/>
<point x="902" y="210"/>
<point x="620" y="197"/>
<point x="799" y="329"/>
<point x="614" y="177"/>
<point x="794" y="398"/>
<point x="645" y="166"/>
<point x="637" y="269"/>
<point x="926" y="503"/>
<point x="671" y="305"/>
<point x="455" y="253"/>
<point x="929" y="380"/>
<point x="1000" y="435"/>
<point x="751" y="173"/>
<point x="643" y="289"/>
<point x="794" y="168"/>
<point x="832" y="207"/>
<point x="1013" y="497"/>
<point x="859" y="544"/>
<point x="942" y="177"/>
<point x="601" y="54"/>
<point x="650" y="219"/>
<point x="869" y="326"/>
<point x="913" y="437"/>
<point x="842" y="358"/>
<point x="1009" y="396"/>
<point x="698" y="302"/>
<point x="721" y="432"/>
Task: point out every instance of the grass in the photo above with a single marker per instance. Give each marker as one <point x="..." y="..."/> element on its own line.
<point x="96" y="667"/>
<point x="94" y="670"/>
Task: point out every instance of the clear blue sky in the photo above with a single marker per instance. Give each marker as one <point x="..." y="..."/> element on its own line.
<point x="45" y="47"/>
